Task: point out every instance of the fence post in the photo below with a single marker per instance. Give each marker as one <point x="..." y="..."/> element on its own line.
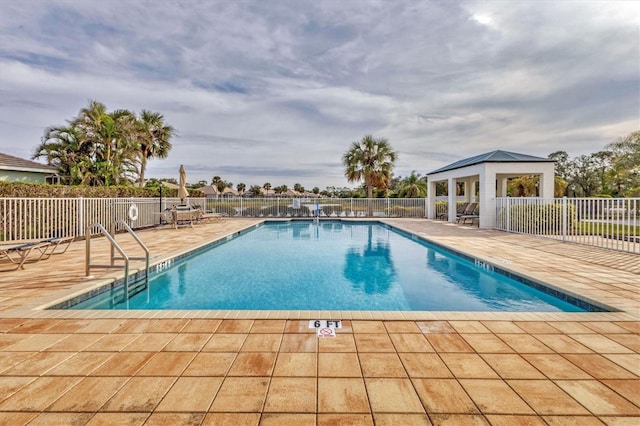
<point x="564" y="218"/>
<point x="81" y="231"/>
<point x="508" y="225"/>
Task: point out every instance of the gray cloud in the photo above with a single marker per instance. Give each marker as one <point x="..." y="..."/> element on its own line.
<point x="276" y="91"/>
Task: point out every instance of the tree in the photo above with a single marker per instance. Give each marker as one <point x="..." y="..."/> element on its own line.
<point x="370" y="160"/>
<point x="153" y="137"/>
<point x="99" y="147"/>
<point x="624" y="173"/>
<point x="267" y="186"/>
<point x="315" y="190"/>
<point x="255" y="190"/>
<point x="413" y="186"/>
<point x="297" y="187"/>
<point x="241" y="187"/>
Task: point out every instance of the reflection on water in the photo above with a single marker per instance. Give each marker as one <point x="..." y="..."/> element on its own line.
<point x="370" y="268"/>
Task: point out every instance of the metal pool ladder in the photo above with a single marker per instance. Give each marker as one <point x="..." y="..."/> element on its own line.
<point x="116" y="247"/>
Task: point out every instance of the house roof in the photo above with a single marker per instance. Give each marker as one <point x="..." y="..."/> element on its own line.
<point x="9" y="162"/>
<point x="493" y="157"/>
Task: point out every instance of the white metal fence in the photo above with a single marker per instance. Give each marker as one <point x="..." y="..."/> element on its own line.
<point x="41" y="218"/>
<point x="612" y="223"/>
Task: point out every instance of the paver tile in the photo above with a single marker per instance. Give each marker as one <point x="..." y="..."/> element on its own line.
<point x="562" y="344"/>
<point x="89" y="394"/>
<point x="406" y="342"/>
<point x="448" y="343"/>
<point x="392" y="396"/>
<point x="15" y="418"/>
<point x="339" y="365"/>
<point x="268" y="326"/>
<point x="495" y="397"/>
<point x="253" y="364"/>
<point x="67" y="419"/>
<point x="424" y="365"/>
<point x="150" y="342"/>
<point x="187" y="342"/>
<point x="167" y="364"/>
<point x="109" y="419"/>
<point x="235" y="326"/>
<point x="80" y="364"/>
<point x="468" y="366"/>
<point x="536" y="327"/>
<point x="501" y="327"/>
<point x="341" y="343"/>
<point x="509" y="420"/>
<point x="74" y="342"/>
<point x="111" y="343"/>
<point x="299" y="343"/>
<point x="524" y="343"/>
<point x="604" y="327"/>
<point x="429" y="327"/>
<point x="293" y="364"/>
<point x="231" y="419"/>
<point x="486" y="343"/>
<point x="457" y="420"/>
<point x="206" y="364"/>
<point x="277" y="419"/>
<point x="600" y="400"/>
<point x="369" y="342"/>
<point x="392" y="419"/>
<point x="368" y="326"/>
<point x="572" y="421"/>
<point x="401" y="327"/>
<point x="241" y="394"/>
<point x="571" y="327"/>
<point x="444" y="396"/>
<point x="167" y="325"/>
<point x="555" y="366"/>
<point x="469" y="327"/>
<point x="381" y="365"/>
<point x="140" y="394"/>
<point x="546" y="398"/>
<point x="225" y="342"/>
<point x="191" y="394"/>
<point x="631" y="341"/>
<point x="38" y="394"/>
<point x="291" y="395"/>
<point x="174" y="419"/>
<point x="602" y="368"/>
<point x="512" y="366"/>
<point x="198" y="325"/>
<point x="345" y="419"/>
<point x="262" y="342"/>
<point x="123" y="364"/>
<point x="342" y="395"/>
<point x="600" y="344"/>
<point x="39" y="363"/>
<point x="629" y="389"/>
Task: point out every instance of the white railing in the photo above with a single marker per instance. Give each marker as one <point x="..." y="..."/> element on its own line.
<point x="312" y="207"/>
<point x="612" y="223"/>
<point x="40" y="218"/>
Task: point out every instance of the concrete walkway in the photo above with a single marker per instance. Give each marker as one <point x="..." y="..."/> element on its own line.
<point x="269" y="368"/>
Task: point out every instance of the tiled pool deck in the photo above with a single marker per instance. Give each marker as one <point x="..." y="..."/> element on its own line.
<point x="268" y="368"/>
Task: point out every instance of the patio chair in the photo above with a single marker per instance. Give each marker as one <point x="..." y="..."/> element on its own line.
<point x="19" y="254"/>
<point x="55" y="243"/>
<point x="460" y="208"/>
<point x="473" y="217"/>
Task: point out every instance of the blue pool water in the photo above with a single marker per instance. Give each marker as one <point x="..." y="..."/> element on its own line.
<point x="330" y="266"/>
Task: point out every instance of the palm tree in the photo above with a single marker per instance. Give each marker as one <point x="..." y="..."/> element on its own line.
<point x="413" y="186"/>
<point x="371" y="160"/>
<point x="153" y="137"/>
<point x="241" y="187"/>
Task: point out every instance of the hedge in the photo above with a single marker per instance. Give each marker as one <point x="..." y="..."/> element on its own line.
<point x="38" y="190"/>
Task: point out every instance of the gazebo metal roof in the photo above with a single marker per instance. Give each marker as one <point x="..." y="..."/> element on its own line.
<point x="496" y="156"/>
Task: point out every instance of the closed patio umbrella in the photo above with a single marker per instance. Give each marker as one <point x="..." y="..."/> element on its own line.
<point x="182" y="190"/>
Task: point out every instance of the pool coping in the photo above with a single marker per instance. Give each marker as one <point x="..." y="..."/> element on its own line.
<point x="38" y="308"/>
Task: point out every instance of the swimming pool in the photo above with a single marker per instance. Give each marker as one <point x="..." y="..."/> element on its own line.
<point x="333" y="265"/>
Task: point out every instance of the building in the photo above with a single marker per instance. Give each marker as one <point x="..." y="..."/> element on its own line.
<point x="15" y="169"/>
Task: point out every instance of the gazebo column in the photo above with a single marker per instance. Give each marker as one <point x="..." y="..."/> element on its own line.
<point x="487" y="196"/>
<point x="452" y="199"/>
<point x="502" y="186"/>
<point x="472" y="190"/>
<point x="546" y="186"/>
<point x="431" y="208"/>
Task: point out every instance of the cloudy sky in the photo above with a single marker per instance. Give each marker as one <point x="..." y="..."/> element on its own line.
<point x="275" y="91"/>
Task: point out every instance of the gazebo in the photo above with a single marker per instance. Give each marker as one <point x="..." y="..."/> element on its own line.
<point x="492" y="171"/>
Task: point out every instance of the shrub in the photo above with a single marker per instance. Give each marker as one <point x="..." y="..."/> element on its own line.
<point x="543" y="219"/>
